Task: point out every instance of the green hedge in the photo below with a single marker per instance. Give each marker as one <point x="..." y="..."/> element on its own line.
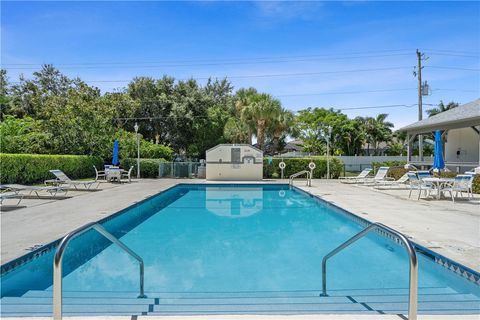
<point x="148" y="167"/>
<point x="294" y="165"/>
<point x="34" y="168"/>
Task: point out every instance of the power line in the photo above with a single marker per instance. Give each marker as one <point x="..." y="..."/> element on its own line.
<point x="343" y="92"/>
<point x="456" y="55"/>
<point x="351" y="54"/>
<point x="329" y="107"/>
<point x="150" y="65"/>
<point x="453" y="68"/>
<point x="265" y="75"/>
<point x="453" y="51"/>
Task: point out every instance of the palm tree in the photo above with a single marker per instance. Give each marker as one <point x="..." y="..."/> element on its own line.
<point x="281" y="125"/>
<point x="236" y="131"/>
<point x="441" y="108"/>
<point x="263" y="109"/>
<point x="244" y="99"/>
<point x="382" y="130"/>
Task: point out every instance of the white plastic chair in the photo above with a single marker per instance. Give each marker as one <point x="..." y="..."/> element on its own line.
<point x="462" y="183"/>
<point x="418" y="184"/>
<point x="127" y="174"/>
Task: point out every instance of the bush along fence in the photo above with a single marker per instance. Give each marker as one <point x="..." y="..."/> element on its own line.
<point x="34" y="168"/>
<point x="294" y="165"/>
<point x="148" y="167"/>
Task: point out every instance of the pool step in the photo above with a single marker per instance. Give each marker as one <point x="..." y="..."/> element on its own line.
<point x="364" y="301"/>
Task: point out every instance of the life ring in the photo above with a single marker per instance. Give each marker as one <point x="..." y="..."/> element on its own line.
<point x="312" y="165"/>
<point x="282" y="165"/>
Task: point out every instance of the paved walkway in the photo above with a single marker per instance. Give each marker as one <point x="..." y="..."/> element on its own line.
<point x="450" y="229"/>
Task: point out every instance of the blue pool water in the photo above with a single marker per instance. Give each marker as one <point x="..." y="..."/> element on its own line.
<point x="206" y="239"/>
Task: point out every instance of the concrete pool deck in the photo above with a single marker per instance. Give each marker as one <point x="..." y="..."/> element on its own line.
<point x="449" y="229"/>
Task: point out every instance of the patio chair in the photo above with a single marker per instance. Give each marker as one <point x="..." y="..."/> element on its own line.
<point x="424" y="174"/>
<point x="62" y="178"/>
<point x="11" y="195"/>
<point x="402" y="181"/>
<point x="127" y="174"/>
<point x="17" y="188"/>
<point x="380" y="176"/>
<point x="361" y="175"/>
<point x="99" y="174"/>
<point x="462" y="183"/>
<point x="418" y="184"/>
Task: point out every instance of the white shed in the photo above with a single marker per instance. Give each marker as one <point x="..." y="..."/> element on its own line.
<point x="234" y="162"/>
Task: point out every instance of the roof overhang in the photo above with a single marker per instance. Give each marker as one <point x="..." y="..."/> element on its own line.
<point x="464" y="123"/>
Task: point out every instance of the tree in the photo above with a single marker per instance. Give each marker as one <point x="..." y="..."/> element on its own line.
<point x="244" y="99"/>
<point x="441" y="108"/>
<point x="379" y="130"/>
<point x="236" y="131"/>
<point x="263" y="109"/>
<point x="280" y="126"/>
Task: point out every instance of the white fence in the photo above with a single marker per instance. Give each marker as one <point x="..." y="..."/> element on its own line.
<point x="358" y="163"/>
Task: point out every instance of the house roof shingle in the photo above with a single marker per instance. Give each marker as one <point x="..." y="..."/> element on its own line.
<point x="463" y="116"/>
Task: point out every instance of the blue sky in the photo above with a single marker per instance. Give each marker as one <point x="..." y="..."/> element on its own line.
<point x="251" y="41"/>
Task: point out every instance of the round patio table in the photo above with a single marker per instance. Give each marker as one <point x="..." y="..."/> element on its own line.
<point x="439" y="183"/>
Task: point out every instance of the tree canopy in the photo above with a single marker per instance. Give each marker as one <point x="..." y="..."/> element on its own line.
<point x="52" y="113"/>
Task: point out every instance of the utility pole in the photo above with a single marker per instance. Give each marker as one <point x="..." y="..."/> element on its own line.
<point x="418" y="73"/>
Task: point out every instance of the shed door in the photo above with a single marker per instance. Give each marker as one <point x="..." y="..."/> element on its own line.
<point x="235" y="156"/>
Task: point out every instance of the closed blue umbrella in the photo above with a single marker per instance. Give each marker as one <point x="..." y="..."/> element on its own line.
<point x="438" y="162"/>
<point x="115" y="153"/>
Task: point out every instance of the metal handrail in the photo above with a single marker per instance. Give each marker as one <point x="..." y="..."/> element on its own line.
<point x="413" y="270"/>
<point x="293" y="176"/>
<point x="57" y="263"/>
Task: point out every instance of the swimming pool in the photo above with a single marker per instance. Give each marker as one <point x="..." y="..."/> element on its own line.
<point x="234" y="249"/>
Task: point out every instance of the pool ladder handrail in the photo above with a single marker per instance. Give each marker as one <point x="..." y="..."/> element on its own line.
<point x="57" y="263"/>
<point x="413" y="270"/>
<point x="295" y="175"/>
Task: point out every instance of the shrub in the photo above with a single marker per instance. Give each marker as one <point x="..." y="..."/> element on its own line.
<point x="396" y="172"/>
<point x="148" y="167"/>
<point x="23" y="136"/>
<point x="294" y="165"/>
<point x="148" y="150"/>
<point x="389" y="163"/>
<point x="34" y="168"/>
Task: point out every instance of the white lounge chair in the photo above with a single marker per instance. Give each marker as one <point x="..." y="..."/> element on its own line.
<point x="127" y="174"/>
<point x="402" y="181"/>
<point x="462" y="183"/>
<point x="17" y="188"/>
<point x="418" y="184"/>
<point x="11" y="195"/>
<point x="379" y="177"/>
<point x="362" y="175"/>
<point x="63" y="179"/>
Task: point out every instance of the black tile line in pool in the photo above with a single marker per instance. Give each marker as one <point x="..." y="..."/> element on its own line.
<point x="445" y="262"/>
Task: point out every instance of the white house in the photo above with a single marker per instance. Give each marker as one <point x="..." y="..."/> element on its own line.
<point x="461" y="136"/>
<point x="234" y="162"/>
